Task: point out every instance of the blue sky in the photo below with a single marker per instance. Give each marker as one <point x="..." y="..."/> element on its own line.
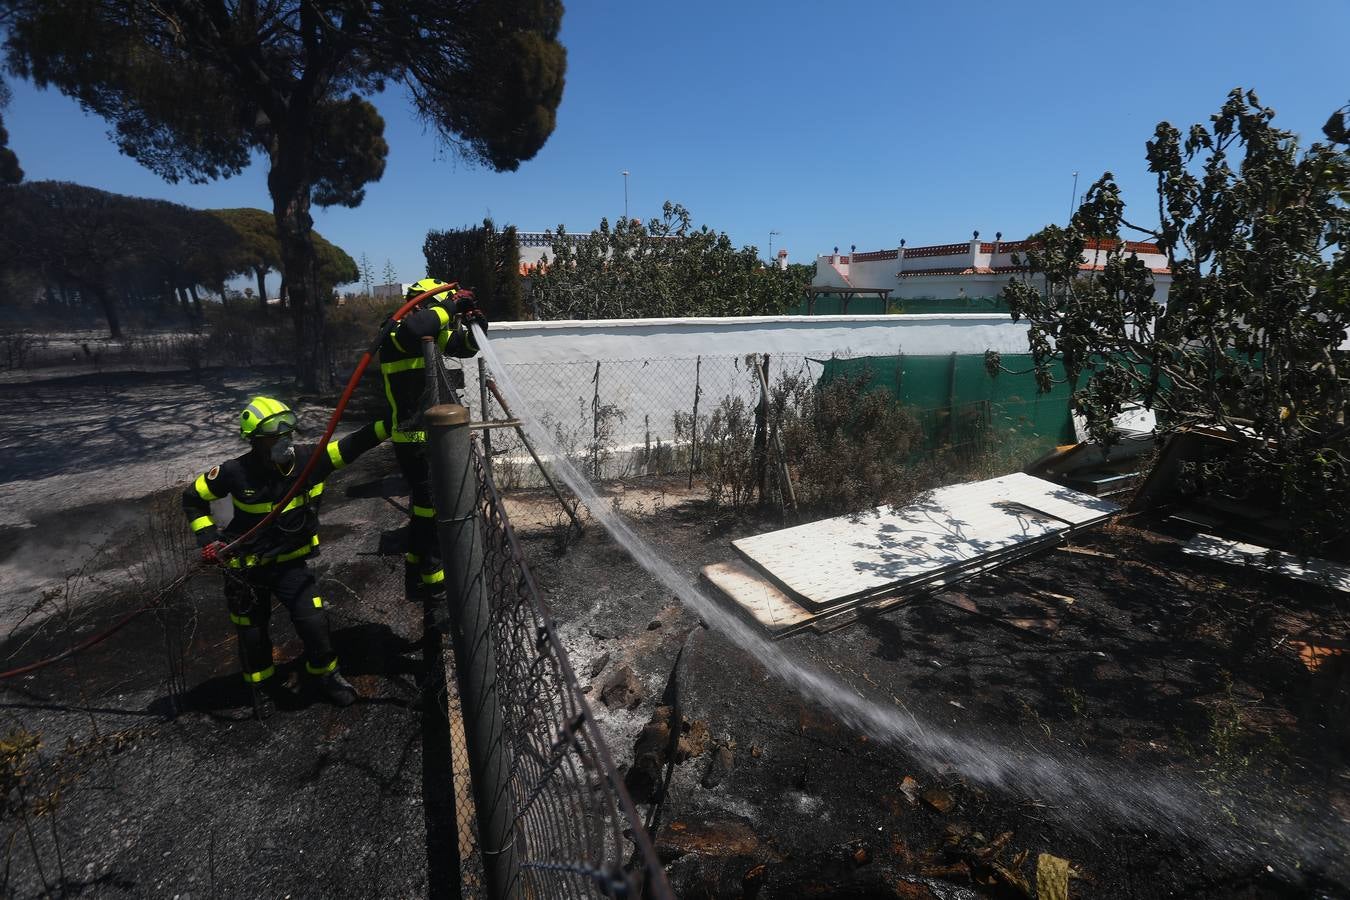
<point x="832" y="124"/>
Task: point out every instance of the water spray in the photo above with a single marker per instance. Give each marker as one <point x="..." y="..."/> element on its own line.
<point x="1080" y="788"/>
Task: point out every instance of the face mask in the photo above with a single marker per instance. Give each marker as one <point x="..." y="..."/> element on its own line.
<point x="283" y="453"/>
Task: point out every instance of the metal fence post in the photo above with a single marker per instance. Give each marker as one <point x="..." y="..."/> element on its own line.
<point x="455" y="489"/>
<point x="483" y="401"/>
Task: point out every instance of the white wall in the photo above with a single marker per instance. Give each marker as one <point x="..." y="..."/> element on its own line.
<point x="647" y="366"/>
<point x="571" y="341"/>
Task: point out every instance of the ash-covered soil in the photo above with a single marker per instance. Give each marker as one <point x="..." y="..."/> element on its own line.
<point x="1153" y="670"/>
<point x="154" y="780"/>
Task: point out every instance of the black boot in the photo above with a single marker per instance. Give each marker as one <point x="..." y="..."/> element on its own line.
<point x="336" y="689"/>
<point x="267" y="696"/>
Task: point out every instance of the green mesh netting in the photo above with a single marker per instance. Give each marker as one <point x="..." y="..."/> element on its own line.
<point x="955" y="396"/>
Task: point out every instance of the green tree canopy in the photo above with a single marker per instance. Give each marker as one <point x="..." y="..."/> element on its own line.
<point x="107" y="246"/>
<point x="10" y="172"/>
<point x="481" y="258"/>
<point x="195" y="88"/>
<point x="257" y="250"/>
<point x="663" y="268"/>
<point x="1256" y="232"/>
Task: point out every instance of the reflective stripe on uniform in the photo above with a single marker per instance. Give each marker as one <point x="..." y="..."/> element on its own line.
<point x="300" y="551"/>
<point x="412" y="557"/>
<point x="424" y="512"/>
<point x="403" y="365"/>
<point x="256" y="677"/>
<point x="442" y="315"/>
<point x="251" y="560"/>
<point x="259" y="508"/>
<point x="304" y="497"/>
<point x="240" y="620"/>
<point x="433" y="577"/>
<point x="409" y="437"/>
<point x="381" y="430"/>
<point x="201" y="522"/>
<point x="335" y="455"/>
<point x="202" y="490"/>
<point x="318" y="603"/>
<point x="330" y="666"/>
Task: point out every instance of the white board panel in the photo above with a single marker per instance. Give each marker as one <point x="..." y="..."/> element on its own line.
<point x="1317" y="571"/>
<point x="947" y="529"/>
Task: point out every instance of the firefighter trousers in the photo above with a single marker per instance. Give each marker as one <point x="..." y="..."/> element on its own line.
<point x="249" y="594"/>
<point x="422" y="571"/>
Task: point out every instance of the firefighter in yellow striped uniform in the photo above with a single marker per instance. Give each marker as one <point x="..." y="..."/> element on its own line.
<point x="274" y="562"/>
<point x="446" y="317"/>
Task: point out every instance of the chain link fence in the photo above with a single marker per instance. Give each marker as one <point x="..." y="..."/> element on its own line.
<point x="573" y="829"/>
<point x="617" y="418"/>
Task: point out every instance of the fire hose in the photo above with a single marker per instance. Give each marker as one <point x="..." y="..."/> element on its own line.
<point x="390" y="324"/>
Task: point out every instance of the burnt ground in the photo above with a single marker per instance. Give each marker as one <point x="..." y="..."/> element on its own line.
<point x="1119" y="653"/>
<point x="154" y="780"/>
<point x="159" y="781"/>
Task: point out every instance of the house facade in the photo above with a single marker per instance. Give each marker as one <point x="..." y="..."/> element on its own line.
<point x="971" y="268"/>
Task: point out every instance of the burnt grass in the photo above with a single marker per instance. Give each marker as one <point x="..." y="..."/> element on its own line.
<point x="1158" y="664"/>
<point x="154" y="777"/>
<point x="159" y="782"/>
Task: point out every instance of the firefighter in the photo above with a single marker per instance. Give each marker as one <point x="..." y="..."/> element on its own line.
<point x="446" y="317"/>
<point x="274" y="562"/>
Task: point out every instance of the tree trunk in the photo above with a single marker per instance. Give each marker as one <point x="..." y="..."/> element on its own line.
<point x="261" y="273"/>
<point x="177" y="297"/>
<point x="106" y="301"/>
<point x="289" y="184"/>
<point x="183" y="301"/>
<point x="196" y="301"/>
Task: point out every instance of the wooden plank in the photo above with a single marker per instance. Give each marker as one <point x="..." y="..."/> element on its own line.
<point x="755" y="595"/>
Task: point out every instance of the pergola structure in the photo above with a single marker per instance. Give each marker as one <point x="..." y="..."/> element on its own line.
<point x="847" y="293"/>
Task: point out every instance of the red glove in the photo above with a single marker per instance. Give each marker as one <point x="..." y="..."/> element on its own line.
<point x="211" y="552"/>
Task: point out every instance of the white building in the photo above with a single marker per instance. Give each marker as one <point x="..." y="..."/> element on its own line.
<point x="973" y="268"/>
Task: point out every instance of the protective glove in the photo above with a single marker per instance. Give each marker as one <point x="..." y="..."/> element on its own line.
<point x="474" y="317"/>
<point x="211" y="552"/>
<point x="464" y="301"/>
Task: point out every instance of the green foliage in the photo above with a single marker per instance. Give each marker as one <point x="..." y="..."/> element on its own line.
<point x="665" y="268"/>
<point x="10" y="172"/>
<point x="1256" y="233"/>
<point x="481" y="258"/>
<point x="109" y="247"/>
<point x="194" y="89"/>
<point x="335" y="265"/>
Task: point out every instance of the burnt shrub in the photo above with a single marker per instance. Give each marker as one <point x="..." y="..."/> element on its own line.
<point x="847" y="448"/>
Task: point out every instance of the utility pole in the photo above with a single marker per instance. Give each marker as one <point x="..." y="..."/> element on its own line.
<point x="625" y="195"/>
<point x="771" y="234"/>
<point x="1073" y="197"/>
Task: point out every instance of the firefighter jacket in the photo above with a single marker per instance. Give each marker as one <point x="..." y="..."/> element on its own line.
<point x="255" y="485"/>
<point x="402" y="367"/>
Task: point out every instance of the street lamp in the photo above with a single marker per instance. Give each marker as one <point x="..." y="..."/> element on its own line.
<point x="625" y="194"/>
<point x="771" y="234"/>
